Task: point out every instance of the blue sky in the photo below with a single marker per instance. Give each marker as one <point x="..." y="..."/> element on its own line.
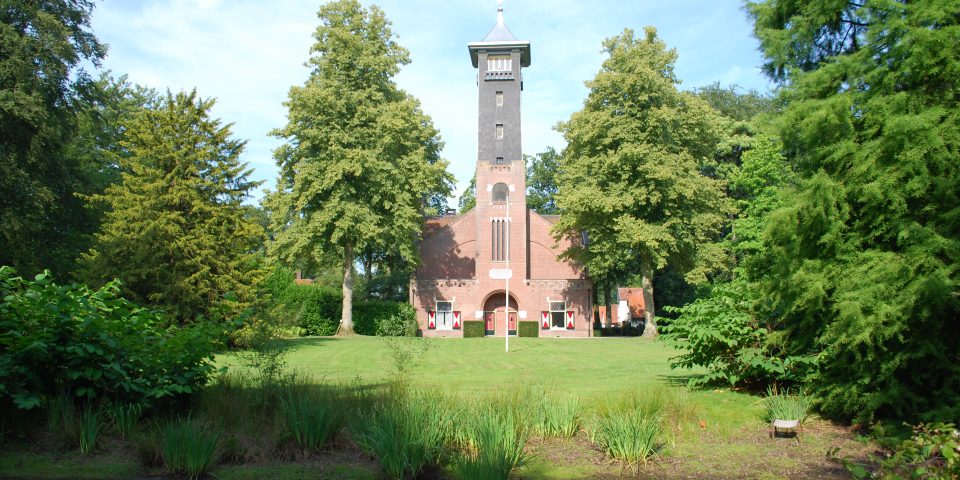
<point x="247" y="54"/>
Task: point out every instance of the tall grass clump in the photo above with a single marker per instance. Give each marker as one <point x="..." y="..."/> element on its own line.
<point x="405" y="433"/>
<point x="125" y="417"/>
<point x="91" y="426"/>
<point x="557" y="416"/>
<point x="496" y="445"/>
<point x="312" y="419"/>
<point x="629" y="435"/>
<point x="786" y="406"/>
<point x="188" y="448"/>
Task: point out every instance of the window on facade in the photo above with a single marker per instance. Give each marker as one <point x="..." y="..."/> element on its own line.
<point x="444" y="315"/>
<point x="499" y="63"/>
<point x="499" y="99"/>
<point x="499" y="161"/>
<point x="558" y="313"/>
<point x="500" y="192"/>
<point x="500" y="251"/>
<point x="499" y="131"/>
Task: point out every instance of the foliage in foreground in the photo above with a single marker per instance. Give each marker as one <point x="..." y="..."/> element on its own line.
<point x="92" y="345"/>
<point x="497" y="441"/>
<point x="931" y="453"/>
<point x="405" y="434"/>
<point x="188" y="447"/>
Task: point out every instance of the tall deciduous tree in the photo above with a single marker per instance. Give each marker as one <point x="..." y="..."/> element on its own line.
<point x="42" y="45"/>
<point x="630" y="177"/>
<point x="176" y="232"/>
<point x="542" y="171"/>
<point x="861" y="264"/>
<point x="361" y="159"/>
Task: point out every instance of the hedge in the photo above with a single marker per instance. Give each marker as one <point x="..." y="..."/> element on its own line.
<point x="473" y="329"/>
<point x="528" y="329"/>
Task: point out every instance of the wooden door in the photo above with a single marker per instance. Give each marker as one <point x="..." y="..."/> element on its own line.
<point x="488" y="322"/>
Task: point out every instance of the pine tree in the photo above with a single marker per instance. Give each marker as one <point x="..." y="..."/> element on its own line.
<point x="630" y="176"/>
<point x="176" y="232"/>
<point x="361" y="163"/>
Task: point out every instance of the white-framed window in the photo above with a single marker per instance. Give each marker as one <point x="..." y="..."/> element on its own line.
<point x="499" y="161"/>
<point x="499" y="131"/>
<point x="444" y="315"/>
<point x="499" y="63"/>
<point x="499" y="99"/>
<point x="558" y="314"/>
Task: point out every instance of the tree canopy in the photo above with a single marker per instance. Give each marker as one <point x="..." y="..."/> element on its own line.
<point x="630" y="178"/>
<point x="361" y="159"/>
<point x="42" y="87"/>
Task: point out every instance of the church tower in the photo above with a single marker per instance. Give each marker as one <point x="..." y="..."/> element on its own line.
<point x="501" y="179"/>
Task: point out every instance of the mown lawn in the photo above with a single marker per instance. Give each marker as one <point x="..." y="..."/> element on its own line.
<point x="720" y="434"/>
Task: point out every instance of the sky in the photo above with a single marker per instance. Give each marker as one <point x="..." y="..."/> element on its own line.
<point x="248" y="53"/>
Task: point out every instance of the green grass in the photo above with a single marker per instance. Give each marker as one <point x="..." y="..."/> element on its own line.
<point x="593" y="369"/>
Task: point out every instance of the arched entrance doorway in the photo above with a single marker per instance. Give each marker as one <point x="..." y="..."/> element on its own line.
<point x="496" y="315"/>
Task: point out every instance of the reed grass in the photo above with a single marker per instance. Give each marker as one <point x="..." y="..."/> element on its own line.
<point x="188" y="447"/>
<point x="91" y="427"/>
<point x="406" y="433"/>
<point x="496" y="447"/>
<point x="786" y="405"/>
<point x="313" y="420"/>
<point x="125" y="417"/>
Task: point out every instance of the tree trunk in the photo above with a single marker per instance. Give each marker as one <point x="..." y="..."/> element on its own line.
<point x="649" y="309"/>
<point x="367" y="273"/>
<point x="346" y="319"/>
<point x="607" y="321"/>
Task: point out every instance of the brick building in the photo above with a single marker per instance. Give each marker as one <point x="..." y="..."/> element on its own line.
<point x="471" y="261"/>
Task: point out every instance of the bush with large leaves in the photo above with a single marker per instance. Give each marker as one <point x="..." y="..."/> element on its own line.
<point x="93" y="345"/>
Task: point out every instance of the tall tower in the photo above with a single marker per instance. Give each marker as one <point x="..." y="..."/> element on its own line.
<point x="501" y="179"/>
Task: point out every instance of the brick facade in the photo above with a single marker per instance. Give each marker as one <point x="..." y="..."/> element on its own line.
<point x="464" y="259"/>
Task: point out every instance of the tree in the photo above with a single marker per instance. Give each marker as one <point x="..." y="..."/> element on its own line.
<point x="361" y="159"/>
<point x="630" y="177"/>
<point x="176" y="232"/>
<point x="42" y="45"/>
<point x="469" y="198"/>
<point x="860" y="264"/>
<point x="542" y="171"/>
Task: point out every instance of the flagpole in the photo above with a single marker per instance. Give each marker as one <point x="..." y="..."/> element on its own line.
<point x="506" y="289"/>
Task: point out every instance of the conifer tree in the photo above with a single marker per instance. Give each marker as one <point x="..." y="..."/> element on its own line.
<point x="630" y="175"/>
<point x="861" y="264"/>
<point x="176" y="232"/>
<point x="361" y="160"/>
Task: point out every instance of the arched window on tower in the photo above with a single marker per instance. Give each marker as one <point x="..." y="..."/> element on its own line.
<point x="500" y="192"/>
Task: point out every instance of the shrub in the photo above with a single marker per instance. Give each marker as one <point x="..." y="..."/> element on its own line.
<point x="368" y="314"/>
<point x="318" y="308"/>
<point x="399" y="334"/>
<point x="785" y="406"/>
<point x="188" y="448"/>
<point x="932" y="452"/>
<point x="473" y="329"/>
<point x="93" y="345"/>
<point x="528" y="329"/>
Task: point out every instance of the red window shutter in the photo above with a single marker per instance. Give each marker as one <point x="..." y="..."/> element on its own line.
<point x="431" y="320"/>
<point x="456" y="320"/>
<point x="545" y="320"/>
<point x="569" y="319"/>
